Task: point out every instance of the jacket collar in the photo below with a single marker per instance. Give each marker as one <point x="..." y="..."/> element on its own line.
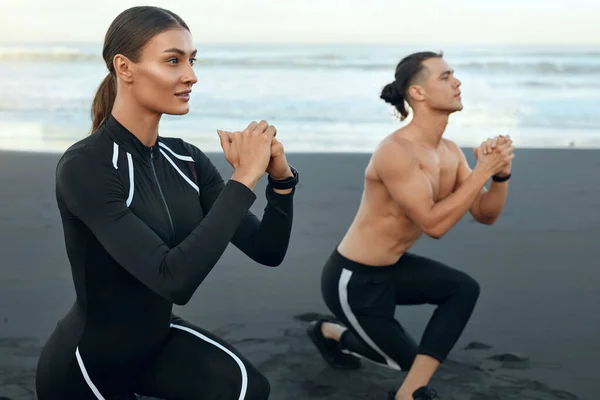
<point x="129" y="141"/>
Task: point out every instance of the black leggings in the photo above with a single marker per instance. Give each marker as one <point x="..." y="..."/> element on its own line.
<point x="193" y="364"/>
<point x="364" y="298"/>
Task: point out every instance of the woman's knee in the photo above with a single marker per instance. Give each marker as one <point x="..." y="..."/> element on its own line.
<point x="259" y="387"/>
<point x="469" y="288"/>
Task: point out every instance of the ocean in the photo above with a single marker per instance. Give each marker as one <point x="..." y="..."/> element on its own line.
<point x="322" y="98"/>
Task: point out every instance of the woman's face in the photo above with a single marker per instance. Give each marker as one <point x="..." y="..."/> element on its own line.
<point x="163" y="77"/>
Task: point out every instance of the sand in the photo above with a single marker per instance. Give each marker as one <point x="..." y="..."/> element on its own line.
<point x="535" y="323"/>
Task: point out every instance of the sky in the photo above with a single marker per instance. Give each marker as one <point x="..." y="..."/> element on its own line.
<point x="320" y="21"/>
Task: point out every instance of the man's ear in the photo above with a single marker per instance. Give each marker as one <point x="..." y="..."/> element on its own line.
<point x="416" y="93"/>
<point x="122" y="67"/>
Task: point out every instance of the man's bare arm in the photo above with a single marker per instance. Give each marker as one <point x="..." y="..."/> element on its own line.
<point x="487" y="207"/>
<point x="409" y="187"/>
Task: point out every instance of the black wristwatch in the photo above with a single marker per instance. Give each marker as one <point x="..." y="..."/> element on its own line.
<point x="496" y="178"/>
<point x="287" y="183"/>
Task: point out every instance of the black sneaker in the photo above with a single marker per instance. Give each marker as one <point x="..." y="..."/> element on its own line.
<point x="392" y="394"/>
<point x="329" y="348"/>
<point x="422" y="393"/>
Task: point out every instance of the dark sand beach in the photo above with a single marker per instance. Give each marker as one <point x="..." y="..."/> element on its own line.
<point x="537" y="318"/>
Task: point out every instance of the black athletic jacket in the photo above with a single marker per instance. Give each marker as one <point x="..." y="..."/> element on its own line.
<point x="143" y="227"/>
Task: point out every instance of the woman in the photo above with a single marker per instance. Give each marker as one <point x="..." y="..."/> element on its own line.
<point x="145" y="219"/>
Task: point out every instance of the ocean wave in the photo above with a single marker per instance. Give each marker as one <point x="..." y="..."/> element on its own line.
<point x="531" y="67"/>
<point x="56" y="54"/>
<point x="325" y="61"/>
<point x="60" y="54"/>
<point x="526" y="53"/>
<point x="340" y="63"/>
<point x="329" y="119"/>
<point x="540" y="84"/>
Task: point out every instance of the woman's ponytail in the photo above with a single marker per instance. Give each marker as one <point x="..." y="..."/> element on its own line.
<point x="103" y="101"/>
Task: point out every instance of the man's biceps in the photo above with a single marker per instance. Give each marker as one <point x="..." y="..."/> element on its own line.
<point x="417" y="205"/>
<point x="399" y="193"/>
<point x="410" y="199"/>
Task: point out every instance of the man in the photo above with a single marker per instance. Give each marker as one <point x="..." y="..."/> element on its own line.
<point x="415" y="183"/>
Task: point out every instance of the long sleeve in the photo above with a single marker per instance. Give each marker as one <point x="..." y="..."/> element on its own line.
<point x="91" y="191"/>
<point x="265" y="241"/>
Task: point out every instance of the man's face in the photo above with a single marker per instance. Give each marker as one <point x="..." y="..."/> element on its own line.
<point x="441" y="88"/>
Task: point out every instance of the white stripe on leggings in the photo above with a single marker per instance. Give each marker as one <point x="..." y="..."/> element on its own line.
<point x="343" y="292"/>
<point x="86" y="376"/>
<point x="220" y="346"/>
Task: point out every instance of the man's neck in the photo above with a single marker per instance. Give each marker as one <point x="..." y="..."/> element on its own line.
<point x="428" y="127"/>
<point x="137" y="120"/>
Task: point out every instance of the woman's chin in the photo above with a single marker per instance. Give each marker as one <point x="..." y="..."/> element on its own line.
<point x="181" y="110"/>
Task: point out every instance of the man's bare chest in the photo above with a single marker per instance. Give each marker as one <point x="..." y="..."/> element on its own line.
<point x="440" y="168"/>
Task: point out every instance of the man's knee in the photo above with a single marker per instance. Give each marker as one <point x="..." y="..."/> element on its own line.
<point x="259" y="387"/>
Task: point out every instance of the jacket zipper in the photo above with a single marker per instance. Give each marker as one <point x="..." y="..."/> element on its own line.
<point x="161" y="192"/>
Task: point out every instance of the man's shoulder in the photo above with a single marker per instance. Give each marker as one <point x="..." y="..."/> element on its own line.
<point x="394" y="157"/>
<point x="394" y="150"/>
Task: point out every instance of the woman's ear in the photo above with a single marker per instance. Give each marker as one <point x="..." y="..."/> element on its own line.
<point x="122" y="66"/>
